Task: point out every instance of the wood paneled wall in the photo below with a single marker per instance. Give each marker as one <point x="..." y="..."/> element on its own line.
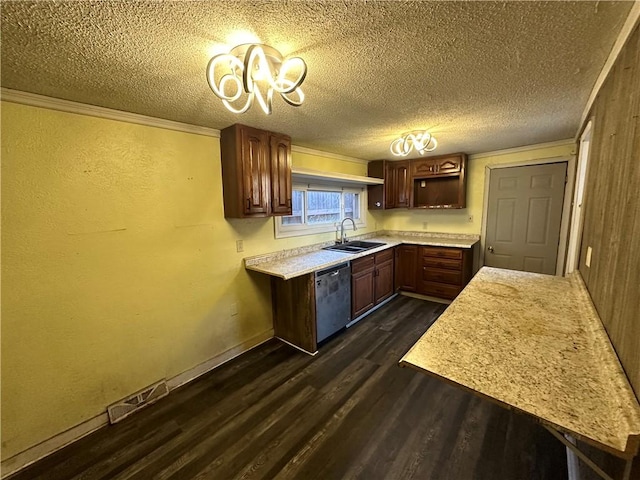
<point x="612" y="208"/>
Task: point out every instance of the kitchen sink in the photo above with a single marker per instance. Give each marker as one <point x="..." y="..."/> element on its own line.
<point x="354" y="246"/>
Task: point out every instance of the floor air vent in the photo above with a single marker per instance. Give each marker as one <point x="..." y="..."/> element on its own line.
<point x="138" y="400"/>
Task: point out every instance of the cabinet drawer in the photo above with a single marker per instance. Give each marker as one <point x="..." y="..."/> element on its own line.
<point x="451" y="277"/>
<point x="441" y="252"/>
<point x="362" y="264"/>
<point x="448" y="263"/>
<point x="384" y="256"/>
<point x="440" y="290"/>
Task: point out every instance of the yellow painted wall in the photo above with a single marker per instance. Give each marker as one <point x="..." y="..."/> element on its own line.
<point x="118" y="266"/>
<point x="305" y="160"/>
<point x="457" y="221"/>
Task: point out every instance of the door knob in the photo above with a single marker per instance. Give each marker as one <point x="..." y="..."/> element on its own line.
<point x="490" y="249"/>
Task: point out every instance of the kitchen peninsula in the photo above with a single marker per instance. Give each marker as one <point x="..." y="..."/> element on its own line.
<point x="535" y="343"/>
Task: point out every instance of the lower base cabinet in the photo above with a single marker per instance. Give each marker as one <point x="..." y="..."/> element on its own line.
<point x="444" y="271"/>
<point x="406" y="273"/>
<point x="440" y="272"/>
<point x="371" y="281"/>
<point x="294" y="311"/>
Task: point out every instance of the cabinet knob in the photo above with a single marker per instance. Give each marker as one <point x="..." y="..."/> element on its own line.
<point x="378" y="204"/>
<point x="490" y="248"/>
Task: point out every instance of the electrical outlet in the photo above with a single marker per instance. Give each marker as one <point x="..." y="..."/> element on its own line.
<point x="239" y="246"/>
<point x="424" y="225"/>
<point x="587" y="260"/>
<point x="233" y="308"/>
<point x="470" y="218"/>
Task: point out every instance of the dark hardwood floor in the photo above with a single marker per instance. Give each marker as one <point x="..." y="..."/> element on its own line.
<point x="349" y="412"/>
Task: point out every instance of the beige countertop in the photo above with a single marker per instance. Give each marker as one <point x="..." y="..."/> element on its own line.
<point x="293" y="263"/>
<point x="536" y="344"/>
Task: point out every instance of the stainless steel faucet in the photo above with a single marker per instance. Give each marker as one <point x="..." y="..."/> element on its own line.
<point x="343" y="236"/>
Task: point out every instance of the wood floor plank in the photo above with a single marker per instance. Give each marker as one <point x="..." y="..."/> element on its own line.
<point x="349" y="412"/>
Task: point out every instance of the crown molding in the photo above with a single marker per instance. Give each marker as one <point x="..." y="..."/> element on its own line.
<point x="35" y="100"/>
<point x="42" y="101"/>
<point x="524" y="148"/>
<point x="623" y="36"/>
<point x="320" y="153"/>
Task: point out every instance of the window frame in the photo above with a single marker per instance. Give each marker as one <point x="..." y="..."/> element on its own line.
<point x="284" y="231"/>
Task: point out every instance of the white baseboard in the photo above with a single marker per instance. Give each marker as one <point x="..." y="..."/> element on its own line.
<point x="51" y="445"/>
<point x="218" y="360"/>
<point x="61" y="440"/>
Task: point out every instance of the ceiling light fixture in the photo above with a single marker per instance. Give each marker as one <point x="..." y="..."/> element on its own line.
<point x="421" y="141"/>
<point x="258" y="71"/>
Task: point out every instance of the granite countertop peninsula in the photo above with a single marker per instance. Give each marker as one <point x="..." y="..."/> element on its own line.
<point x="535" y="343"/>
<point x="292" y="263"/>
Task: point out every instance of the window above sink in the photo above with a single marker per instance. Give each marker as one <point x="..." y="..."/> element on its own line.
<point x="321" y="208"/>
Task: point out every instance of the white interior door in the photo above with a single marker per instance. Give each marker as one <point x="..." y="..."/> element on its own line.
<point x="523" y="217"/>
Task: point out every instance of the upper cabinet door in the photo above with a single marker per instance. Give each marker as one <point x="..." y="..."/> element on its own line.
<point x="390" y="186"/>
<point x="255" y="171"/>
<point x="403" y="184"/>
<point x="397" y="184"/>
<point x="423" y="167"/>
<point x="281" y="188"/>
<point x="449" y="165"/>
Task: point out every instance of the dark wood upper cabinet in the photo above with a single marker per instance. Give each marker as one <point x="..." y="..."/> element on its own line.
<point x="396" y="191"/>
<point x="439" y="182"/>
<point x="256" y="172"/>
<point x="446" y="164"/>
<point x="434" y="182"/>
<point x="402" y="182"/>
<point x="281" y="188"/>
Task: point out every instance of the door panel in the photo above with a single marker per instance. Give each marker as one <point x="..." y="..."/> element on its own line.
<point x="255" y="171"/>
<point x="383" y="281"/>
<point x="524" y="215"/>
<point x="403" y="184"/>
<point x="281" y="189"/>
<point x="406" y="267"/>
<point x="362" y="294"/>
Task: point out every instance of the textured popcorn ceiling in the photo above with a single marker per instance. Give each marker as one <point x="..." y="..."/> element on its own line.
<point x="480" y="76"/>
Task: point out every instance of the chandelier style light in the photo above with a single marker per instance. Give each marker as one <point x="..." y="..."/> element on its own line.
<point x="257" y="71"/>
<point x="421" y="141"/>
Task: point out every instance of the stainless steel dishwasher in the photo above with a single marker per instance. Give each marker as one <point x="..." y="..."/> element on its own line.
<point x="333" y="300"/>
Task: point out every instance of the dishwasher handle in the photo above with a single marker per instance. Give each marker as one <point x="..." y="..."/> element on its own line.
<point x="333" y="271"/>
